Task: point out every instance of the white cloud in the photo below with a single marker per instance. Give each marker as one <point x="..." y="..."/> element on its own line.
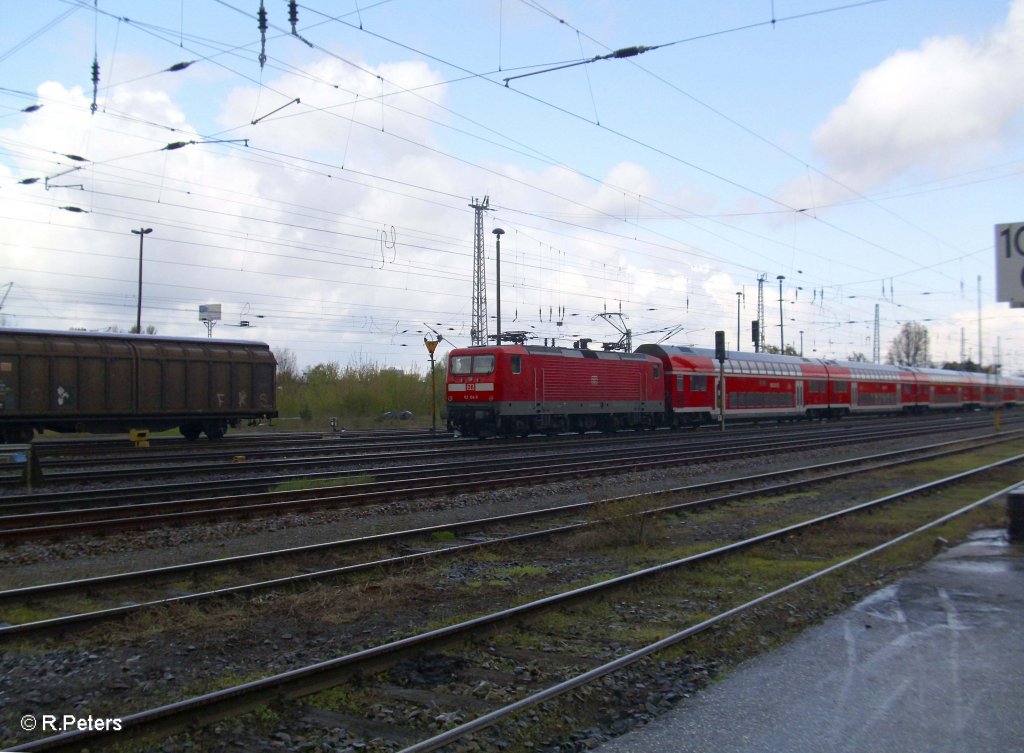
<point x="931" y="107"/>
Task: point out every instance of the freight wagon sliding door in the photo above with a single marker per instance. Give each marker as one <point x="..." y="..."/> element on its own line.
<point x="10" y="392"/>
<point x="64" y="372"/>
<point x="105" y="382"/>
<point x="198" y="385"/>
<point x="220" y="386"/>
<point x="162" y="374"/>
<point x="242" y="386"/>
<point x="35" y="373"/>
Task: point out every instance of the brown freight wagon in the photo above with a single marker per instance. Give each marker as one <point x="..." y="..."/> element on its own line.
<point x="100" y="383"/>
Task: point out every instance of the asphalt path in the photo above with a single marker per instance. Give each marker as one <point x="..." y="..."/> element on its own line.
<point x="932" y="663"/>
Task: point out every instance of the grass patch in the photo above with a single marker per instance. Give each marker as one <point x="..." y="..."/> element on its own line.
<point x="18" y="615"/>
<point x="521" y="571"/>
<point x="304" y="484"/>
<point x="344" y="698"/>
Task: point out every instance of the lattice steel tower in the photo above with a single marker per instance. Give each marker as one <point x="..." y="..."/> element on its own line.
<point x="877" y="354"/>
<point x="760" y="313"/>
<point x="478" y="330"/>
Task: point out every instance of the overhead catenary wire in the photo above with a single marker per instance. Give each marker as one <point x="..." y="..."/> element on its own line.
<point x="375" y="176"/>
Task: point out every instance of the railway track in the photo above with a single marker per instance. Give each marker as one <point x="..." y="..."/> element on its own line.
<point x="101" y="462"/>
<point x="477" y="674"/>
<point x="272" y="456"/>
<point x="86" y="447"/>
<point x="26" y="520"/>
<point x="147" y="589"/>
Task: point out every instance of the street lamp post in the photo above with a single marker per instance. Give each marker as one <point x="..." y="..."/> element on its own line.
<point x="498" y="232"/>
<point x="141" y="232"/>
<point x="739" y="294"/>
<point x="782" y="334"/>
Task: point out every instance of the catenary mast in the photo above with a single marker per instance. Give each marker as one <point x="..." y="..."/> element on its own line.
<point x="478" y="329"/>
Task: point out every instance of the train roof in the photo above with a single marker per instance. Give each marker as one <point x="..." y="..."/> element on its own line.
<point x="732" y="355"/>
<point x="126" y="336"/>
<point x="541" y="350"/>
<point x="856" y="368"/>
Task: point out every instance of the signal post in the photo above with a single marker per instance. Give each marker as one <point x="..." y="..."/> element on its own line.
<point x="720" y="355"/>
<point x="431" y="347"/>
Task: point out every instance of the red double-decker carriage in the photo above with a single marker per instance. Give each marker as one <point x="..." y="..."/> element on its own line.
<point x="516" y="389"/>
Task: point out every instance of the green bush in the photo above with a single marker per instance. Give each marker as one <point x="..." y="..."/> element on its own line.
<point x="358" y="395"/>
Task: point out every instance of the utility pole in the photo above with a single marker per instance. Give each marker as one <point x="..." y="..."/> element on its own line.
<point x="498" y="232"/>
<point x="980" y="347"/>
<point x="478" y="329"/>
<point x="759" y="345"/>
<point x="782" y="332"/>
<point x="739" y="295"/>
<point x="877" y="353"/>
<point x="141" y="232"/>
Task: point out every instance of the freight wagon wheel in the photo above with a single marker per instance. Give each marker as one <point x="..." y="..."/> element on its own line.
<point x="191" y="432"/>
<point x="215" y="430"/>
<point x="16" y="435"/>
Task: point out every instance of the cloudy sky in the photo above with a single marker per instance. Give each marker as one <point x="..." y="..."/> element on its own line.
<point x="861" y="150"/>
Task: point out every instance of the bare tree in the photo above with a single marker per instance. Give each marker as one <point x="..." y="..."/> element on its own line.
<point x="287" y="366"/>
<point x="910" y="346"/>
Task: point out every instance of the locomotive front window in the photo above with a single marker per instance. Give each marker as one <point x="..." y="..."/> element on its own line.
<point x="472" y="364"/>
<point x="462" y="364"/>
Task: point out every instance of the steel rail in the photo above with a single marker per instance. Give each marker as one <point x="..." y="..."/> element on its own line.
<point x="322" y="675"/>
<point x="492" y="718"/>
<point x="87" y="447"/>
<point x="360" y="462"/>
<point x="226" y="461"/>
<point x="36" y="525"/>
<point x="43" y="499"/>
<point x="78" y="619"/>
<point x="933" y="451"/>
<point x="857" y="464"/>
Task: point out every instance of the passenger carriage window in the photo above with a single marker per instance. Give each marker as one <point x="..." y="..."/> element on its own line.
<point x="517" y="365"/>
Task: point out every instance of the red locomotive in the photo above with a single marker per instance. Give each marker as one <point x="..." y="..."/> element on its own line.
<point x="519" y="389"/>
<point x="516" y="389"/>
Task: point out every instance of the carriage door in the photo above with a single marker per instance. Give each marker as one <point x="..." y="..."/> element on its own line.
<point x="799" y="394"/>
<point x="853" y="394"/>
